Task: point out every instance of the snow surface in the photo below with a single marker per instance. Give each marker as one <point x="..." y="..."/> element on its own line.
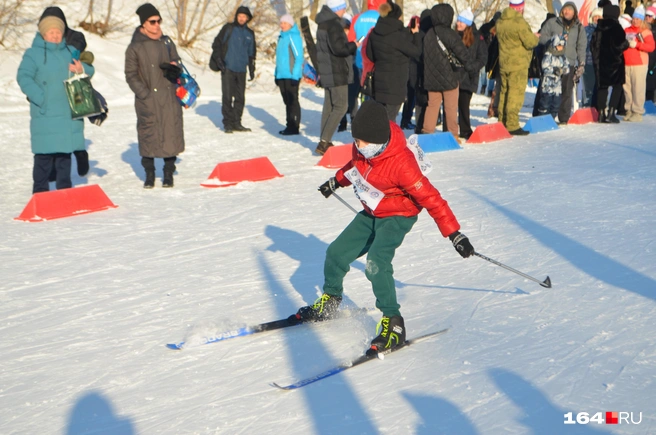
<point x="88" y="303"/>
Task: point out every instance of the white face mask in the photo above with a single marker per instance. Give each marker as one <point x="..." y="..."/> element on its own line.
<point x="371" y="150"/>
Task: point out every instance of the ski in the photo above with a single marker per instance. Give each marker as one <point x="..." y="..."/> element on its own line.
<point x="263" y="327"/>
<point x="368" y="356"/>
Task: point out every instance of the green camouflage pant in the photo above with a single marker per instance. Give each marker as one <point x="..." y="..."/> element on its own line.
<point x="513" y="87"/>
<point x="378" y="238"/>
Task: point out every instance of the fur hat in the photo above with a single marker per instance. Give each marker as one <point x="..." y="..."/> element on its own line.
<point x="51" y="23"/>
<point x="639" y="12"/>
<point x="597" y="12"/>
<point x="371" y="123"/>
<point x="146" y="11"/>
<point x="287" y="19"/>
<point x="466" y="17"/>
<point x="336" y="5"/>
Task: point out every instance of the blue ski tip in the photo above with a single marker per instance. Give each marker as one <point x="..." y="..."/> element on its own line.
<point x="175" y="346"/>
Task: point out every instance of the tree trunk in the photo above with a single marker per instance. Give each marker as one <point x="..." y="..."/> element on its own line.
<point x="314" y="9"/>
<point x="297" y="9"/>
<point x="550" y="7"/>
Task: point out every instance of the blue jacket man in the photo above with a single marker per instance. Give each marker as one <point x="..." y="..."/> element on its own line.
<point x="233" y="51"/>
<point x="289" y="69"/>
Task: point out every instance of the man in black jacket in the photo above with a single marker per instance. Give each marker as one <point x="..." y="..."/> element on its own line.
<point x="333" y="49"/>
<point x="233" y="51"/>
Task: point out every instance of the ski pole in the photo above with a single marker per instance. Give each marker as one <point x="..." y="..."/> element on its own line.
<point x="344" y="202"/>
<point x="546" y="283"/>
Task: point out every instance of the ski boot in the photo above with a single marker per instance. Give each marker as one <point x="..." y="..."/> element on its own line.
<point x="391" y="334"/>
<point x="324" y="308"/>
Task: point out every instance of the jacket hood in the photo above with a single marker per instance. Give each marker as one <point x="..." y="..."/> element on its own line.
<point x="54" y="11"/>
<point x="573" y="6"/>
<point x="387" y="25"/>
<point x="510" y="14"/>
<point x="244" y="10"/>
<point x="325" y="14"/>
<point x="425" y="21"/>
<point x="442" y="14"/>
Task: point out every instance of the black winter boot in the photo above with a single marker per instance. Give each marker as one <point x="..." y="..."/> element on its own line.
<point x="150" y="179"/>
<point x="167" y="181"/>
<point x="323" y="308"/>
<point x="323" y="147"/>
<point x="603" y="117"/>
<point x="82" y="158"/>
<point x="612" y="119"/>
<point x="392" y="334"/>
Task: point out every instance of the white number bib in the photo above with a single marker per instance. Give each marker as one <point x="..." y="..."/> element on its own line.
<point x="365" y="192"/>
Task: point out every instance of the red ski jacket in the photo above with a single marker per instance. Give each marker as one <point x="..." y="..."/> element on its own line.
<point x="406" y="190"/>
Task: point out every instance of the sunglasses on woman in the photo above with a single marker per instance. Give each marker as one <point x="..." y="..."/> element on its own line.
<point x="153" y="22"/>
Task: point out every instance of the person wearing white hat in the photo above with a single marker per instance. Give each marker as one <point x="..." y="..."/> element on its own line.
<point x="288" y="72"/>
<point x="516" y="43"/>
<point x="650" y="17"/>
<point x="636" y="57"/>
<point x="477" y="49"/>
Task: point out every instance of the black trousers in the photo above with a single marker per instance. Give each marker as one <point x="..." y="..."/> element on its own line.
<point x="43" y="165"/>
<point x="567" y="86"/>
<point x="464" y="100"/>
<point x="408" y="106"/>
<point x="233" y="90"/>
<point x="615" y="96"/>
<point x="149" y="164"/>
<point x="289" y="92"/>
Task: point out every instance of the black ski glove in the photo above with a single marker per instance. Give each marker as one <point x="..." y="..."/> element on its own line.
<point x="329" y="187"/>
<point x="462" y="245"/>
<point x="171" y="72"/>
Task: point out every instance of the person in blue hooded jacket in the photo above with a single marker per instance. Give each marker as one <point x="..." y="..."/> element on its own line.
<point x="289" y="69"/>
<point x="54" y="134"/>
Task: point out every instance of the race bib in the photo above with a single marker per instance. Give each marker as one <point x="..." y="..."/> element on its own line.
<point x="424" y="164"/>
<point x="368" y="194"/>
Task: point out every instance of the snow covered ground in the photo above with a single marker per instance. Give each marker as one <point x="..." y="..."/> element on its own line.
<point x="88" y="303"/>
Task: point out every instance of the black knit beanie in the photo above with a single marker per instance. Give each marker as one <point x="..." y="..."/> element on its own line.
<point x="371" y="123"/>
<point x="146" y="11"/>
<point x="611" y="12"/>
<point x="396" y="11"/>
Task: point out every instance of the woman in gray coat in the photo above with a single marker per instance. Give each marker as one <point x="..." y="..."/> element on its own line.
<point x="151" y="68"/>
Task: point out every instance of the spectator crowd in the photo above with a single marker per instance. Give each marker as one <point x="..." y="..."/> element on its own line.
<point x="429" y="68"/>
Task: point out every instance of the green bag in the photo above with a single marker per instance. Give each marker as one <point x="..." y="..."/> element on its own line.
<point x="81" y="97"/>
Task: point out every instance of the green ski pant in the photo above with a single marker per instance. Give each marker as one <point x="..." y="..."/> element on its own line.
<point x="377" y="237"/>
<point x="513" y="88"/>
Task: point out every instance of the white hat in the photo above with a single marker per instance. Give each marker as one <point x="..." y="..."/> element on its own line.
<point x="625" y="21"/>
<point x="597" y="12"/>
<point x="336" y="5"/>
<point x="639" y="12"/>
<point x="466" y="17"/>
<point x="287" y="19"/>
<point x="518" y="5"/>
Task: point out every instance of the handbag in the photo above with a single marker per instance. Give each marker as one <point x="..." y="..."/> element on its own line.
<point x="453" y="61"/>
<point x="81" y="97"/>
<point x="188" y="90"/>
<point x="368" y="85"/>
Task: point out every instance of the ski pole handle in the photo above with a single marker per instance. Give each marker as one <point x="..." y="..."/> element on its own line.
<point x="344" y="202"/>
<point x="546" y="283"/>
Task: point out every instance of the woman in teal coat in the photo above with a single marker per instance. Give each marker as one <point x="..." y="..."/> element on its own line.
<point x="41" y="76"/>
